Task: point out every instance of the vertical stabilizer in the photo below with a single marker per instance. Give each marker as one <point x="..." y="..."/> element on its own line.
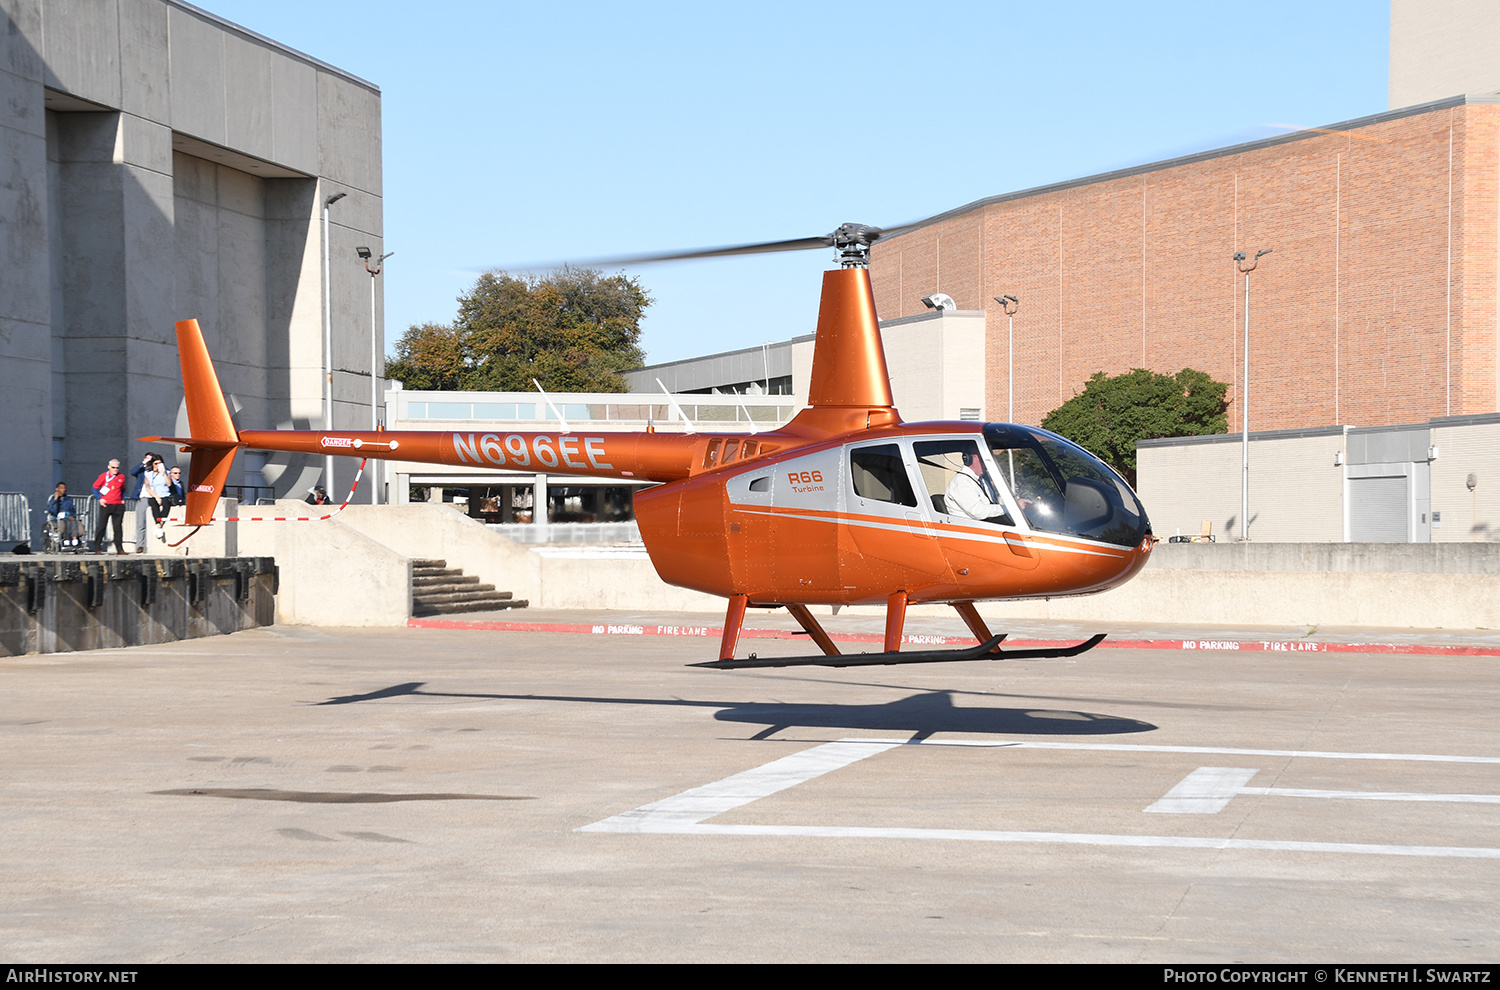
<point x="208" y="413"/>
<point x="850" y="387"/>
<point x="848" y="358"/>
<point x="213" y="438"/>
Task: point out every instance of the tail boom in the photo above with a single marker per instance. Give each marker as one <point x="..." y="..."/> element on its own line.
<point x="636" y="456"/>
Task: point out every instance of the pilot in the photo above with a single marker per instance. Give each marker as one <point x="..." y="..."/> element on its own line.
<point x="971" y="492"/>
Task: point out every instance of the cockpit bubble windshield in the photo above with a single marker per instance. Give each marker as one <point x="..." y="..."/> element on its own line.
<point x="1062" y="488"/>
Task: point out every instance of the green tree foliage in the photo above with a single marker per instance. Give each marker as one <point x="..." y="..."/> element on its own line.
<point x="429" y="358"/>
<point x="573" y="330"/>
<point x="1111" y="414"/>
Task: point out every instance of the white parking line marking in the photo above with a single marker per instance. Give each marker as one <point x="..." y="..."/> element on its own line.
<point x="1205" y="791"/>
<point x="686" y="813"/>
<point x="1309" y="754"/>
<point x="693" y="806"/>
<point x="1079" y="839"/>
<point x="1373" y="795"/>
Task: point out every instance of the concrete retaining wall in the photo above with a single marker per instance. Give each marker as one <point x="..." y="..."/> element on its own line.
<point x="625" y="583"/>
<point x="56" y="606"/>
<point x="1425" y="586"/>
<point x="332" y="575"/>
<point x="432" y="530"/>
<point x="1282" y="598"/>
<point x="355" y="570"/>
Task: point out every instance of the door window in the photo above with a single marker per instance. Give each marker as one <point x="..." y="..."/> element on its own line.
<point x="879" y="473"/>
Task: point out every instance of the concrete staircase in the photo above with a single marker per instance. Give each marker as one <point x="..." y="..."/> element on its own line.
<point x="437" y="589"/>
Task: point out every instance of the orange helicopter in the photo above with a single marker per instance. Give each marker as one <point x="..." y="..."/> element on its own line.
<point x="844" y="505"/>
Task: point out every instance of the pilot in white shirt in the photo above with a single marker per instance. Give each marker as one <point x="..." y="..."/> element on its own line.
<point x="971" y="492"/>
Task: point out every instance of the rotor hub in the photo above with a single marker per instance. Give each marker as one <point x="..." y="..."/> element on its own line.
<point x="851" y="244"/>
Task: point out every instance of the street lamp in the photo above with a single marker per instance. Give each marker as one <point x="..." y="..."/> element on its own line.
<point x="1239" y="262"/>
<point x="365" y="255"/>
<point x="1009" y="305"/>
<point x="328" y="343"/>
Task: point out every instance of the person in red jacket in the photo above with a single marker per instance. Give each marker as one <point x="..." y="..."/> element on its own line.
<point x="110" y="487"/>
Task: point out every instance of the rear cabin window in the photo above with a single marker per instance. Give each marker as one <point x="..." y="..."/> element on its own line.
<point x="878" y="473"/>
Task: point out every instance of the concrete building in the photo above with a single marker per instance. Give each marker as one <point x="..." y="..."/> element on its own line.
<point x="936" y="360"/>
<point x="1443" y="47"/>
<point x="1433" y="482"/>
<point x="164" y="164"/>
<point x="1378" y="307"/>
<point x="774" y="368"/>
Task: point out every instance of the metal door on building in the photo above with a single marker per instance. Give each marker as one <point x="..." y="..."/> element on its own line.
<point x="1389" y="503"/>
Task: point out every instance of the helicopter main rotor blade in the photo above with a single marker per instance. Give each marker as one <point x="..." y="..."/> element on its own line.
<point x="840" y="238"/>
<point x="767" y="247"/>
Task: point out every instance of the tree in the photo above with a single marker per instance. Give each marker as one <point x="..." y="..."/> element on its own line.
<point x="573" y="330"/>
<point x="429" y="358"/>
<point x="1111" y="414"/>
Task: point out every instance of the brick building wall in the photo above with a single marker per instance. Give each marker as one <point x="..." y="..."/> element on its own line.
<point x="1378" y="306"/>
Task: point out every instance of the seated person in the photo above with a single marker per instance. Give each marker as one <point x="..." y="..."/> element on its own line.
<point x="972" y="492"/>
<point x="60" y="507"/>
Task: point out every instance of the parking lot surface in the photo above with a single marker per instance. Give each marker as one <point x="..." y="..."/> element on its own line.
<point x="478" y="795"/>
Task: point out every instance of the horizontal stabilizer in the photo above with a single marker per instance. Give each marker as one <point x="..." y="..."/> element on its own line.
<point x="192" y="442"/>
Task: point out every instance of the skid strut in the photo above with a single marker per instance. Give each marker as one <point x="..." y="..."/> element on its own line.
<point x="734" y="618"/>
<point x="810" y="626"/>
<point x="895" y="621"/>
<point x="973" y="620"/>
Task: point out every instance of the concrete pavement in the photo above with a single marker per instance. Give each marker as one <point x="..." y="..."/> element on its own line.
<point x="446" y="795"/>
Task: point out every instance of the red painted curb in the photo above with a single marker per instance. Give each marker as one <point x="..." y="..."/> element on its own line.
<point x="1222" y="645"/>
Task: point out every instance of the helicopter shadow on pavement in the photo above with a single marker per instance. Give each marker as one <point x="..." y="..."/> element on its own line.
<point x="922" y="714"/>
<point x="930" y="712"/>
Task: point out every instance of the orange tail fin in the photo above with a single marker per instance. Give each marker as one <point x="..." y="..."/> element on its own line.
<point x="850" y="387"/>
<point x="213" y="439"/>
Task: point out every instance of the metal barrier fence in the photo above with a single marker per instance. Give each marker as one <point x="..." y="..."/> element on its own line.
<point x="589" y="533"/>
<point x="88" y="517"/>
<point x="15" y="518"/>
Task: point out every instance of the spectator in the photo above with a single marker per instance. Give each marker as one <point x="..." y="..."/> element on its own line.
<point x="138" y="492"/>
<point x="157" y="493"/>
<point x="177" y="493"/>
<point x="61" y="508"/>
<point x="110" y="487"/>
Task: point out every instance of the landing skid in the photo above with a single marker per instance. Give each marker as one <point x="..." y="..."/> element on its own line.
<point x="989" y="650"/>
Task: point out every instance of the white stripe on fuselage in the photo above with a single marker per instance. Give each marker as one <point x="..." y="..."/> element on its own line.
<point x="942" y="529"/>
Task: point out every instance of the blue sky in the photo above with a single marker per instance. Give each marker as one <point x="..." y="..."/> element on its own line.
<point x="520" y="133"/>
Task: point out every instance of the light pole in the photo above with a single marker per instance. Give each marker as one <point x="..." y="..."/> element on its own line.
<point x="328" y="343"/>
<point x="1009" y="305"/>
<point x="365" y="255"/>
<point x="1239" y="262"/>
